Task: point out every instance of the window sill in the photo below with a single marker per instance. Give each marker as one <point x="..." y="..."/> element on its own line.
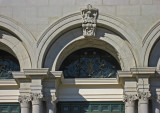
<point x="8" y="82"/>
<point x="90" y="81"/>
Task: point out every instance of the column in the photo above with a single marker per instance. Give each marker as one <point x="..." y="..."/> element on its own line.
<point x="51" y="104"/>
<point x="143" y="102"/>
<point x="156" y="103"/>
<point x="24" y="101"/>
<point x="37" y="102"/>
<point x="130" y="103"/>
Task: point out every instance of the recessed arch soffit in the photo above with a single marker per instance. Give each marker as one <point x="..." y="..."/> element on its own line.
<point x="149" y="42"/>
<point x="67" y="43"/>
<point x="69" y="22"/>
<point x="15" y="36"/>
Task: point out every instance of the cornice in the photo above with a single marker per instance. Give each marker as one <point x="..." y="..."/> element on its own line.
<point x="90" y="81"/>
<point x="34" y="72"/>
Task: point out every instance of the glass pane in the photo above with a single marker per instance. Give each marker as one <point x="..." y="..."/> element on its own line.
<point x="8" y="63"/>
<point x="85" y="108"/>
<point x="66" y="108"/>
<point x="75" y="108"/>
<point x="90" y="63"/>
<point x="115" y="108"/>
<point x="94" y="108"/>
<point x="105" y="108"/>
<point x="5" y="110"/>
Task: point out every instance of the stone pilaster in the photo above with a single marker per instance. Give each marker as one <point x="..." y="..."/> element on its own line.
<point x="24" y="101"/>
<point x="51" y="103"/>
<point x="143" y="102"/>
<point x="156" y="103"/>
<point x="36" y="102"/>
<point x="129" y="100"/>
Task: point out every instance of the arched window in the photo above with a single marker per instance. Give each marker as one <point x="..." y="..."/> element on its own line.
<point x="8" y="63"/>
<point x="90" y="63"/>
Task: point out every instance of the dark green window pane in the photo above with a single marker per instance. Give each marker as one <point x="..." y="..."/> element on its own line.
<point x="9" y="108"/>
<point x="66" y="108"/>
<point x="95" y="108"/>
<point x="90" y="63"/>
<point x="92" y="107"/>
<point x="4" y="109"/>
<point x="75" y="108"/>
<point x="85" y="108"/>
<point x="8" y="63"/>
<point x="105" y="108"/>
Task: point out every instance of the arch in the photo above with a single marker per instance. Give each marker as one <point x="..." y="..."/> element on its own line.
<point x="149" y="40"/>
<point x="110" y="43"/>
<point x="26" y="38"/>
<point x="51" y="34"/>
<point x="16" y="49"/>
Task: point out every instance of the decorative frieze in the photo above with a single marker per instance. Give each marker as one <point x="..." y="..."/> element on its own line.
<point x="89" y="20"/>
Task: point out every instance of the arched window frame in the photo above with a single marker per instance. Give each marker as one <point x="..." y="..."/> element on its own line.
<point x="90" y="63"/>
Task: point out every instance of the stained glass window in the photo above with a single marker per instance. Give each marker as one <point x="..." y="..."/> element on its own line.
<point x="8" y="63"/>
<point x="90" y="63"/>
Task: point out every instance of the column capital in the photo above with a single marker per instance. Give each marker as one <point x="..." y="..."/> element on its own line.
<point x="158" y="98"/>
<point x="24" y="100"/>
<point x="36" y="98"/>
<point x="144" y="96"/>
<point x="50" y="98"/>
<point x="130" y="99"/>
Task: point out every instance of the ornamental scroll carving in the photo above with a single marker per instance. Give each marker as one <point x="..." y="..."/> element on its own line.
<point x="144" y="95"/>
<point x="89" y="20"/>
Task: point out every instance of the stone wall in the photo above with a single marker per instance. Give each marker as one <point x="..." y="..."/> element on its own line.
<point x="36" y="15"/>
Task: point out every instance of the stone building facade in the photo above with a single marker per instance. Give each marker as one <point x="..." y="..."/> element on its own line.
<point x="79" y="56"/>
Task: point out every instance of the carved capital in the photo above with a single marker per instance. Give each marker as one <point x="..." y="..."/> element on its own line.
<point x="24" y="100"/>
<point x="158" y="98"/>
<point x="36" y="98"/>
<point x="50" y="98"/>
<point x="89" y="20"/>
<point x="129" y="99"/>
<point x="144" y="96"/>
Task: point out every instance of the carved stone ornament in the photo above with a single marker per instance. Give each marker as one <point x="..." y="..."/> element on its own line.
<point x="158" y="98"/>
<point x="89" y="20"/>
<point x="36" y="98"/>
<point x="144" y="95"/>
<point x="129" y="98"/>
<point x="24" y="99"/>
<point x="50" y="98"/>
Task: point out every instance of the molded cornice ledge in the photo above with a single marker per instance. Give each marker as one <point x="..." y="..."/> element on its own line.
<point x="36" y="72"/>
<point x="141" y="71"/>
<point x="18" y="75"/>
<point x="57" y="74"/>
